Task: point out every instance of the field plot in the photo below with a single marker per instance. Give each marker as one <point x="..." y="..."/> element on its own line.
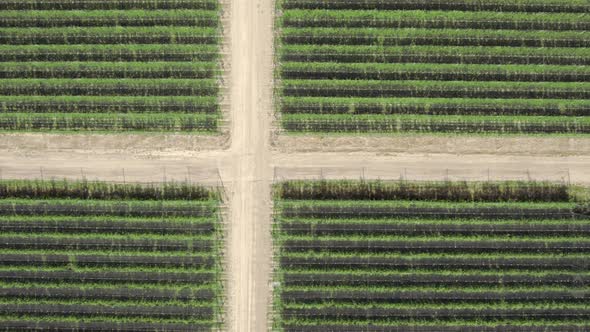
<point x="78" y="256"/>
<point x="456" y="66"/>
<point x="114" y="66"/>
<point x="447" y="257"/>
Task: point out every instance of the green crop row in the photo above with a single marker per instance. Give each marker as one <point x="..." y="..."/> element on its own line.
<point x="469" y="2"/>
<point x="208" y="204"/>
<point x="110" y="53"/>
<point x="22" y="322"/>
<point x="404" y="288"/>
<point x="429" y="124"/>
<point x="540" y="269"/>
<point x="360" y="275"/>
<point x="109" y="87"/>
<point x="113" y="4"/>
<point x="435" y="19"/>
<point x="434" y="54"/>
<point x="434" y="106"/>
<point x="113" y="236"/>
<point x="110" y="104"/>
<point x="101" y="190"/>
<point x="194" y="70"/>
<point x="110" y="35"/>
<point x="310" y="223"/>
<point x="423" y="204"/>
<point x="475" y="306"/>
<point x="436" y="89"/>
<point x="176" y="221"/>
<point x="73" y="122"/>
<point x="95" y="18"/>
<point x="298" y="325"/>
<point x="443" y="72"/>
<point x="131" y="286"/>
<point x="73" y="256"/>
<point x="529" y="6"/>
<point x="582" y="240"/>
<point x="114" y="303"/>
<point x="446" y="37"/>
<point x="377" y="190"/>
<point x="101" y="270"/>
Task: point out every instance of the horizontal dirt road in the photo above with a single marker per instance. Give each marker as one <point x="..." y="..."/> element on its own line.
<point x="215" y="167"/>
<point x="479" y="167"/>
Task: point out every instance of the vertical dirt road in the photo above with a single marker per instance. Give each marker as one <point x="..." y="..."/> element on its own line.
<point x="249" y="236"/>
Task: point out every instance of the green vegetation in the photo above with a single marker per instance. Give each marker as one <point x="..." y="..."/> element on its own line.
<point x="72" y="122"/>
<point x="436" y="19"/>
<point x="110" y="5"/>
<point x="194" y="70"/>
<point x="528" y="6"/>
<point x="408" y="256"/>
<point x="429" y="67"/>
<point x="435" y="106"/>
<point x="94" y="255"/>
<point x="44" y="18"/>
<point x="101" y="65"/>
<point x="109" y="104"/>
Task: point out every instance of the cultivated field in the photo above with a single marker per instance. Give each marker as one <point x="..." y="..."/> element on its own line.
<point x="79" y="256"/>
<point x="115" y="66"/>
<point x="350" y="256"/>
<point x="465" y="66"/>
<point x="431" y="256"/>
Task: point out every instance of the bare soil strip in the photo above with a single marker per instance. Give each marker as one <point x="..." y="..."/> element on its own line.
<point x="218" y="167"/>
<point x="250" y="244"/>
<point x="125" y="144"/>
<point x="193" y="145"/>
<point x="431" y="167"/>
<point x="459" y="144"/>
<point x="113" y="168"/>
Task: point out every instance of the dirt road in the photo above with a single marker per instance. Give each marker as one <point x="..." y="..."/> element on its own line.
<point x="216" y="167"/>
<point x="479" y="167"/>
<point x="250" y="250"/>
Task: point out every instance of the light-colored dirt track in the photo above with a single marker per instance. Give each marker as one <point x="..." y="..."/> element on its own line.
<point x="459" y="144"/>
<point x="214" y="168"/>
<point x="431" y="167"/>
<point x="250" y="248"/>
<point x="114" y="168"/>
<point x="123" y="144"/>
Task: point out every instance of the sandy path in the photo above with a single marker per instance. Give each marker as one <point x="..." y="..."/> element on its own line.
<point x="431" y="167"/>
<point x="414" y="143"/>
<point x="123" y="144"/>
<point x="250" y="249"/>
<point x="221" y="166"/>
<point x="113" y="168"/>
